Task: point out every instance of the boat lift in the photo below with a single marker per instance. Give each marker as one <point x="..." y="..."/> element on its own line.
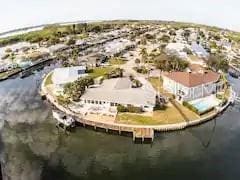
<point x="63" y="121"/>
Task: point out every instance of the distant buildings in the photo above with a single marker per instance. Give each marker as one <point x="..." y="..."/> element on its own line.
<point x="188" y="86"/>
<point x="177" y="49"/>
<point x="199" y="51"/>
<point x="57" y="48"/>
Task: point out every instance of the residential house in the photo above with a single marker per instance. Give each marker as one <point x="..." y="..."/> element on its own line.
<point x="62" y="76"/>
<point x="177" y="49"/>
<point x="188" y="86"/>
<point x="119" y="91"/>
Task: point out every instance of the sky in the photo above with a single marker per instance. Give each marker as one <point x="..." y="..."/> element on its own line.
<point x="22" y="13"/>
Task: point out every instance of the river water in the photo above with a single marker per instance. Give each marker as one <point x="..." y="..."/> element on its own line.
<point x="33" y="149"/>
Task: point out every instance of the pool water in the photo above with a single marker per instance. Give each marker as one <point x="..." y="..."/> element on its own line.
<point x="202" y="106"/>
<point x="205" y="104"/>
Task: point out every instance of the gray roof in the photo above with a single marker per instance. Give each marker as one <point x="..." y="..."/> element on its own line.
<point x="119" y="91"/>
<point x="199" y="49"/>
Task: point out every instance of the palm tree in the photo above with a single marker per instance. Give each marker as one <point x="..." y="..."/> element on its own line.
<point x="144" y="55"/>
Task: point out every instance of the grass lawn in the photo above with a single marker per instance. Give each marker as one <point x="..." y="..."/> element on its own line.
<point x="173" y="115"/>
<point x="116" y="61"/>
<point x="49" y="80"/>
<point x="170" y="115"/>
<point x="158" y="85"/>
<point x="100" y="71"/>
<point x="128" y="118"/>
<point x="227" y="93"/>
<point x="4" y="75"/>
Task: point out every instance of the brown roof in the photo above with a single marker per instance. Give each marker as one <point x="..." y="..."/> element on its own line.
<point x="189" y="79"/>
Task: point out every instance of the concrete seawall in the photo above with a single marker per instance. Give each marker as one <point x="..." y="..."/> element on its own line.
<point x="131" y="128"/>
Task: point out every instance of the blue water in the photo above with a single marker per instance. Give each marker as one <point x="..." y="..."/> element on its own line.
<point x="31" y="148"/>
<point x="202" y="106"/>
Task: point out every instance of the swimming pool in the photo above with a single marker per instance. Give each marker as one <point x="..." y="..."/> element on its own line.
<point x="205" y="104"/>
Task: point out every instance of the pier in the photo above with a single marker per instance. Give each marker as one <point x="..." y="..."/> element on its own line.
<point x="143" y="134"/>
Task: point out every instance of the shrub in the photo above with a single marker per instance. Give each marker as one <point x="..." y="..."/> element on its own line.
<point x="129" y="108"/>
<point x="75" y="89"/>
<point x="133" y="109"/>
<point x="141" y="70"/>
<point x="116" y="73"/>
<point x="136" y="83"/>
<point x="71" y="41"/>
<point x="160" y="107"/>
<point x="121" y="108"/>
<point x="62" y="100"/>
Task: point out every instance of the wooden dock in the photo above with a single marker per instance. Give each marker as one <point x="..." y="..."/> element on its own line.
<point x="143" y="134"/>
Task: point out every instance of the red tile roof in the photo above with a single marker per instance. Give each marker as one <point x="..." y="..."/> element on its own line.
<point x="189" y="79"/>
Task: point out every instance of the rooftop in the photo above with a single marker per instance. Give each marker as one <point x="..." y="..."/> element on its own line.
<point x="119" y="91"/>
<point x="68" y="74"/>
<point x="192" y="79"/>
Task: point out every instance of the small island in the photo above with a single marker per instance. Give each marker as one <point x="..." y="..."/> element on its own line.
<point x="159" y="80"/>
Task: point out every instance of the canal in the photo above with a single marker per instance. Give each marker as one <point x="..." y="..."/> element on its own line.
<point x="33" y="149"/>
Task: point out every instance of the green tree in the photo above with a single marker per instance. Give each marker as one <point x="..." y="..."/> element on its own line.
<point x="217" y="63"/>
<point x="144" y="55"/>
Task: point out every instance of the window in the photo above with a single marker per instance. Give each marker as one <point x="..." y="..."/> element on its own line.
<point x="80" y="71"/>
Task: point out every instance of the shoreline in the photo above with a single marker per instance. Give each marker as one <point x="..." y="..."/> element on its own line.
<point x="133" y="129"/>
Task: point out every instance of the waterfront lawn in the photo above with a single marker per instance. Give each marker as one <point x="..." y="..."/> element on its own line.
<point x="158" y="85"/>
<point x="6" y="74"/>
<point x="128" y="118"/>
<point x="3" y="75"/>
<point x="170" y="115"/>
<point x="100" y="71"/>
<point x="48" y="80"/>
<point x="173" y="115"/>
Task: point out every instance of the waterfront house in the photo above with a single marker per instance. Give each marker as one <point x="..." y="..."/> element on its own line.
<point x="119" y="91"/>
<point x="187" y="86"/>
<point x="61" y="76"/>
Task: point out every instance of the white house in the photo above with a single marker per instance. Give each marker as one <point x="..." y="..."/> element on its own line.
<point x="177" y="49"/>
<point x="188" y="86"/>
<point x="118" y="91"/>
<point x="61" y="76"/>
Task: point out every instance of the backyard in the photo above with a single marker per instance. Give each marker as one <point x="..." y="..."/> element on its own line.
<point x="100" y="71"/>
<point x="158" y="85"/>
<point x="172" y="114"/>
<point x="48" y="80"/>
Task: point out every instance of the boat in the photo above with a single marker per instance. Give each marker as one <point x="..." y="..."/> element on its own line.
<point x="25" y="74"/>
<point x="63" y="120"/>
<point x="233" y="74"/>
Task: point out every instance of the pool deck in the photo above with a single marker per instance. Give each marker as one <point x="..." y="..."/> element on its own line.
<point x="142" y="132"/>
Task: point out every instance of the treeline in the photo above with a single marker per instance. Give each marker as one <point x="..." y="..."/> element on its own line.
<point x="53" y="33"/>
